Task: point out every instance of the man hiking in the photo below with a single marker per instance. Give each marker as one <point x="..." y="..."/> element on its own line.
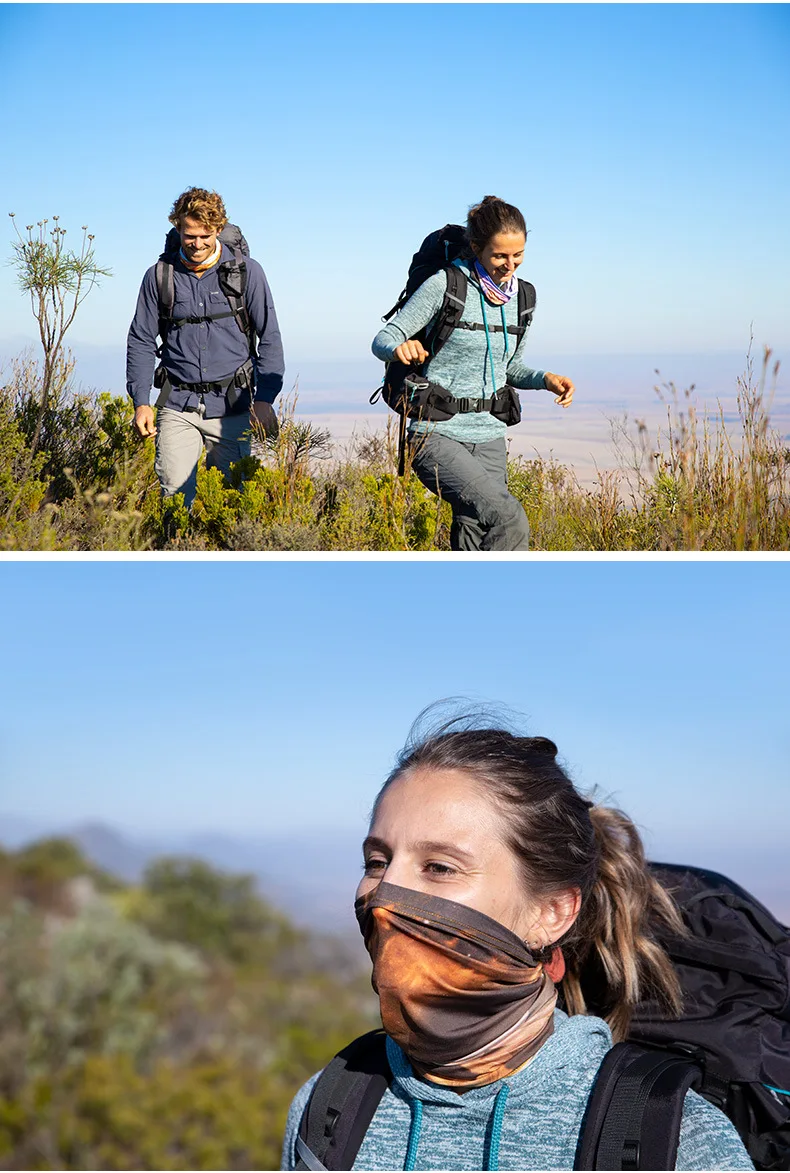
<point x="221" y="353"/>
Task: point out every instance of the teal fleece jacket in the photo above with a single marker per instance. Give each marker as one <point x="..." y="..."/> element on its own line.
<point x="462" y="366"/>
<point x="540" y="1123"/>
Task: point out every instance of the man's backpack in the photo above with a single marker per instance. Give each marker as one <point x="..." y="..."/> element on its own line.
<point x="232" y="276"/>
<point x="404" y="388"/>
<point x="732" y="1045"/>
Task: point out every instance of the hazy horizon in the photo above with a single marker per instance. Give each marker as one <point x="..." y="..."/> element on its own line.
<point x="334" y="395"/>
<point x="321" y="892"/>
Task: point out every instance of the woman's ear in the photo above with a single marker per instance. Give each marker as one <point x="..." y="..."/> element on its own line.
<point x="558" y="913"/>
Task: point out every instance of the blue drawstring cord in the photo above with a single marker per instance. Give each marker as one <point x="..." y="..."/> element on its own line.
<point x="488" y="339"/>
<point x="496" y="1127"/>
<point x="414" y="1134"/>
<point x="497" y="1117"/>
<point x="780" y="1091"/>
<point x="488" y="342"/>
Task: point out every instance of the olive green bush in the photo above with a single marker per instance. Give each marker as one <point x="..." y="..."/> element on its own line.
<point x="164" y="1025"/>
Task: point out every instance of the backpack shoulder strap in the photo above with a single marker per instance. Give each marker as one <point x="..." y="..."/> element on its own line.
<point x="165" y="290"/>
<point x="632" y="1120"/>
<point x="527" y="299"/>
<point x="526" y="308"/>
<point x="165" y="286"/>
<point x="232" y="277"/>
<point x="343" y="1103"/>
<point x="450" y="311"/>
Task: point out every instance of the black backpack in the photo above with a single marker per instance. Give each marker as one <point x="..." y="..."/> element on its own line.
<point x="404" y="388"/>
<point x="733" y="1036"/>
<point x="232" y="277"/>
<point x="732" y="1045"/>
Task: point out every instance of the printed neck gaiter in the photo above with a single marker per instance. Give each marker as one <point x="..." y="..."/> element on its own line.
<point x="462" y="996"/>
<point x="201" y="266"/>
<point x="498" y="294"/>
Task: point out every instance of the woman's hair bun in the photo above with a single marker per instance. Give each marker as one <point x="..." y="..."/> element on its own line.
<point x="543" y="745"/>
<point x="490" y="216"/>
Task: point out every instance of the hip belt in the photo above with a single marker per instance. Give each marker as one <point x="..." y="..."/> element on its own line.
<point x="232" y="385"/>
<point x="413" y="396"/>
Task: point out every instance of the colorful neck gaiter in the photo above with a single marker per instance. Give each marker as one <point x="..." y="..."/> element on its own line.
<point x="202" y="266"/>
<point x="461" y="995"/>
<point x="498" y="294"/>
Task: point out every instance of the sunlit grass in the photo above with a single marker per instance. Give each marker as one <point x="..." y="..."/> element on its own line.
<point x="697" y="483"/>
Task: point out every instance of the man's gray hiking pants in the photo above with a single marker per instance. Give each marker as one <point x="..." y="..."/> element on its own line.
<point x="180" y="437"/>
<point x="473" y="478"/>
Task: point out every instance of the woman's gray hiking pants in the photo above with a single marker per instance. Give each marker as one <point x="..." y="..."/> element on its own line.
<point x="473" y="478"/>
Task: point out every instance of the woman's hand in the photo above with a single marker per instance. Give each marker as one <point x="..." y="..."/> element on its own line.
<point x="561" y="387"/>
<point x="411" y="353"/>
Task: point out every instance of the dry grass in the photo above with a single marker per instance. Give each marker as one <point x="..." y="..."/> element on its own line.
<point x="697" y="484"/>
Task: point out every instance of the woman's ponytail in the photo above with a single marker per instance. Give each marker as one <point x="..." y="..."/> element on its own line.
<point x="614" y="936"/>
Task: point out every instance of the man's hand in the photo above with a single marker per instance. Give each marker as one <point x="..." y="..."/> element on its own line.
<point x="266" y="417"/>
<point x="411" y="352"/>
<point x="561" y="388"/>
<point x="144" y="421"/>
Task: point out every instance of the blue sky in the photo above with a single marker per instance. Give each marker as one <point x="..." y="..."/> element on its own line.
<point x="259" y="697"/>
<point x="646" y="145"/>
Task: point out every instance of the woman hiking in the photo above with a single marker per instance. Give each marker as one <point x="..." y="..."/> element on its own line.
<point x="489" y="880"/>
<point x="464" y="458"/>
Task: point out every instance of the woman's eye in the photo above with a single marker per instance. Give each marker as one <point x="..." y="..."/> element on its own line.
<point x="440" y="869"/>
<point x="373" y="865"/>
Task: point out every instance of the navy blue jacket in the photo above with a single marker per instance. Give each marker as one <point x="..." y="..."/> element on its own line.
<point x="204" y="352"/>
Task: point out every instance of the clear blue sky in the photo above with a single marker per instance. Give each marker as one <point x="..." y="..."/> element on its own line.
<point x="256" y="697"/>
<point x="646" y="144"/>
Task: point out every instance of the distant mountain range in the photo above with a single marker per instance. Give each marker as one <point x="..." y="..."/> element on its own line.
<point x="312" y="876"/>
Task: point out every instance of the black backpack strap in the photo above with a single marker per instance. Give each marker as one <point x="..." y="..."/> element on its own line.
<point x="527" y="299"/>
<point x="526" y="308"/>
<point x="342" y="1104"/>
<point x="166" y="296"/>
<point x="450" y="310"/>
<point x="632" y="1120"/>
<point x="232" y="278"/>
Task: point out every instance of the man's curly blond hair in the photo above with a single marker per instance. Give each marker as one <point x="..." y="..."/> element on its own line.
<point x="198" y="204"/>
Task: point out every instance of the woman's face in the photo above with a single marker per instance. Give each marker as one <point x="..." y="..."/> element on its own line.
<point x="436" y="831"/>
<point x="502" y="255"/>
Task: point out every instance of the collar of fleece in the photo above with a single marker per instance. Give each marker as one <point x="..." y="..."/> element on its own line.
<point x="577" y="1042"/>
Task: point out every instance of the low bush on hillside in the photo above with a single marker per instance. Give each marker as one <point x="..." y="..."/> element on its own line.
<point x="165" y="1025"/>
